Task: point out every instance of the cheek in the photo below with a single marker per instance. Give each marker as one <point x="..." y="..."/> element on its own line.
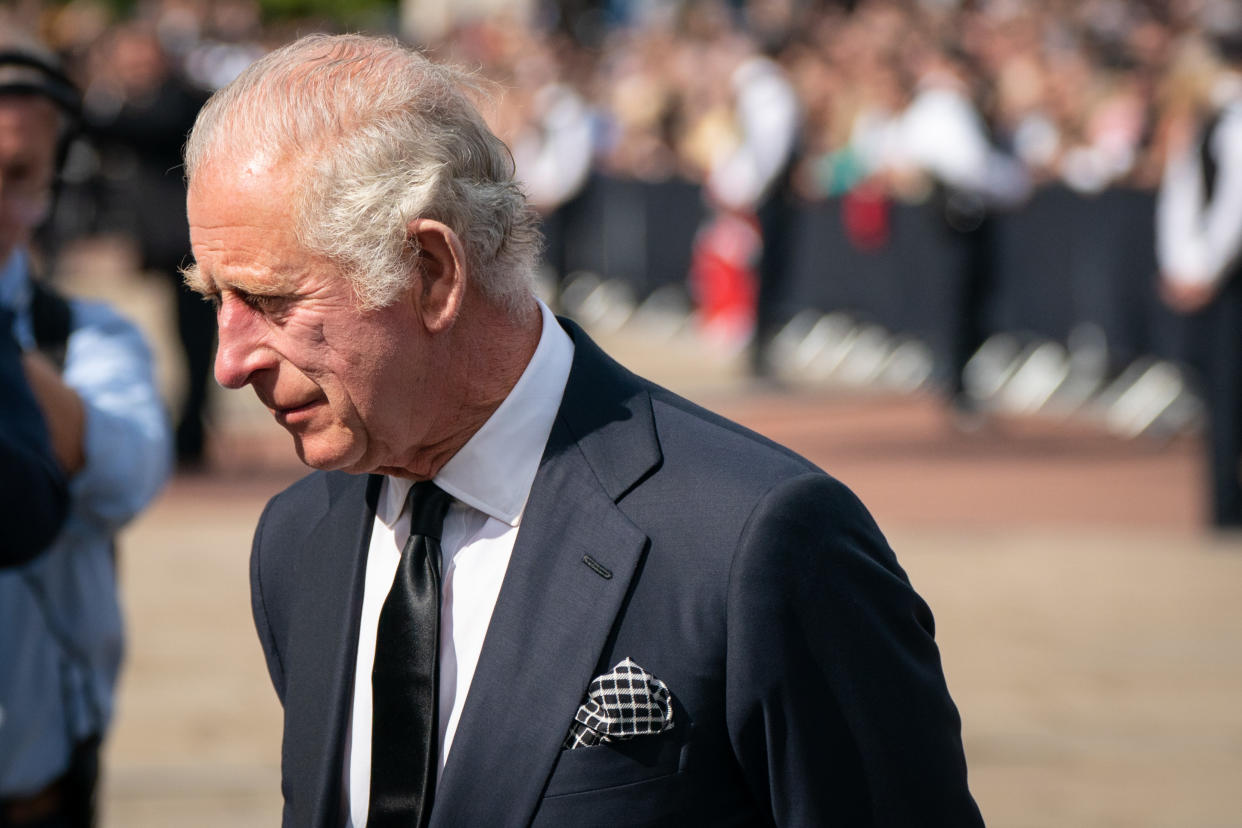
<point x="378" y="383"/>
<point x="352" y="378"/>
<point x="359" y="362"/>
<point x="302" y="343"/>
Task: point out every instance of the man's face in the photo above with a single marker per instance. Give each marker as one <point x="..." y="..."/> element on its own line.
<point x="353" y="387"/>
<point x="29" y="127"/>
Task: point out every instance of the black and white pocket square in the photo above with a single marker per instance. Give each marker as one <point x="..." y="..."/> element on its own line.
<point x="625" y="702"/>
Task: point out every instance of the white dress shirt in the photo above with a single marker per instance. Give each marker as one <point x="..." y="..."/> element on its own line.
<point x="490" y="479"/>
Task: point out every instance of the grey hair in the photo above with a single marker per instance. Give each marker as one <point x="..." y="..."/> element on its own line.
<point x="382" y="136"/>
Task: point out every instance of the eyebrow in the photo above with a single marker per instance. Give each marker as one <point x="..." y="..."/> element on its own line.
<point x="193" y="278"/>
<point x="199" y="282"/>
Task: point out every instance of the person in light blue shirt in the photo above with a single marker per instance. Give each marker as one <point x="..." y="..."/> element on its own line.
<point x="91" y="373"/>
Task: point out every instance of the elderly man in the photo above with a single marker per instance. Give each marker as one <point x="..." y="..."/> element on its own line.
<point x="526" y="587"/>
<point x="90" y="371"/>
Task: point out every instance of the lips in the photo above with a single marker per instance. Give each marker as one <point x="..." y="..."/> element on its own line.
<point x="291" y="414"/>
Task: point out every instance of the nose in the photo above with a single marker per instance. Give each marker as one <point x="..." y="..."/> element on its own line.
<point x="240" y="352"/>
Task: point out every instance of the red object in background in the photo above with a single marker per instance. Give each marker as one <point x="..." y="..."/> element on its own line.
<point x="864" y="211"/>
<point x="722" y="275"/>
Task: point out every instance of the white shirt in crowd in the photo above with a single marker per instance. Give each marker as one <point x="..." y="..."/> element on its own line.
<point x="942" y="133"/>
<point x="553" y="158"/>
<point x="1197" y="240"/>
<point x="767" y="120"/>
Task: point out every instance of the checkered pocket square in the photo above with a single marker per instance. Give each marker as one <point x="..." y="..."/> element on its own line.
<point x="625" y="702"/>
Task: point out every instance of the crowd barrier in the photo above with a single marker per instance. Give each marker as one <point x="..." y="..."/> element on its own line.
<point x="637" y="232"/>
<point x="1058" y="262"/>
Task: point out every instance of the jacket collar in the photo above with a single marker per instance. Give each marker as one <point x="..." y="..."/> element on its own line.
<point x="555" y="610"/>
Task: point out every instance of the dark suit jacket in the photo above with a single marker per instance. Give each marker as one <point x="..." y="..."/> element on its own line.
<point x="32" y="489"/>
<point x="807" y="688"/>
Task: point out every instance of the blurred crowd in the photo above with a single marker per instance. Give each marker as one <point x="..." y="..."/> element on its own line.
<point x="872" y="93"/>
<point x="886" y="93"/>
<point x="636" y="127"/>
<point x="976" y="103"/>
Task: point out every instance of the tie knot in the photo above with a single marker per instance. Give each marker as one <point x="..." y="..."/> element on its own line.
<point x="428" y="505"/>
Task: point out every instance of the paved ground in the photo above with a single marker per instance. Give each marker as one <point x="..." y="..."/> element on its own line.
<point x="1090" y="632"/>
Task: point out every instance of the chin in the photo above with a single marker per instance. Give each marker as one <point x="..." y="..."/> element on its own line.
<point x="314" y="453"/>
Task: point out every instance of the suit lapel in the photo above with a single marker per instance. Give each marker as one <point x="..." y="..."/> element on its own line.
<point x="555" y="611"/>
<point x="323" y="652"/>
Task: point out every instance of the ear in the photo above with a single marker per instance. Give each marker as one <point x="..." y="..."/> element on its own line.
<point x="440" y="285"/>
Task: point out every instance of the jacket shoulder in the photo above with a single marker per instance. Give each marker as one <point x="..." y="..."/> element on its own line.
<point x="291" y="516"/>
<point x="283" y="535"/>
<point x="314" y="491"/>
<point x="679" y="419"/>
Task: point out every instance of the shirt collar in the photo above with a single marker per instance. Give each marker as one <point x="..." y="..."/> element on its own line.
<point x="493" y="472"/>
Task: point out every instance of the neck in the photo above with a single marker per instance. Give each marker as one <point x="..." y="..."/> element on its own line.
<point x="490" y="349"/>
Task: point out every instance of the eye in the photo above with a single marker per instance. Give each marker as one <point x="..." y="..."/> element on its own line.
<point x="261" y="302"/>
<point x="266" y="305"/>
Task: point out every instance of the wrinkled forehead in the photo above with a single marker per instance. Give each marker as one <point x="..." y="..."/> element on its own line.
<point x="240" y="220"/>
<point x="253" y="173"/>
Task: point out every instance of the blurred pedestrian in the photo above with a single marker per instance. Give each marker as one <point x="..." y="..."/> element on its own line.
<point x="139" y="109"/>
<point x="1199" y="247"/>
<point x="752" y="178"/>
<point x="943" y="141"/>
<point x="60" y="622"/>
<point x="553" y="144"/>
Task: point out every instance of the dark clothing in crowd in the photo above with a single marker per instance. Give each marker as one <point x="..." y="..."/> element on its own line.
<point x="32" y="488"/>
<point x="141" y="146"/>
<point x="1199" y="220"/>
<point x="1216" y="355"/>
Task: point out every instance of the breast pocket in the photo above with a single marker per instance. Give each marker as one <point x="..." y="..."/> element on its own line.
<point x="614" y="764"/>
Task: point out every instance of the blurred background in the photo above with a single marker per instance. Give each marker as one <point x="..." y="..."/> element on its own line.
<point x="915" y="240"/>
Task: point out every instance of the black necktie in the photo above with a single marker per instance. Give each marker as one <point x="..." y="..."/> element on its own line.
<point x="405" y="684"/>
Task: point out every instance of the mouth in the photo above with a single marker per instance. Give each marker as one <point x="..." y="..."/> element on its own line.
<point x="292" y="414"/>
